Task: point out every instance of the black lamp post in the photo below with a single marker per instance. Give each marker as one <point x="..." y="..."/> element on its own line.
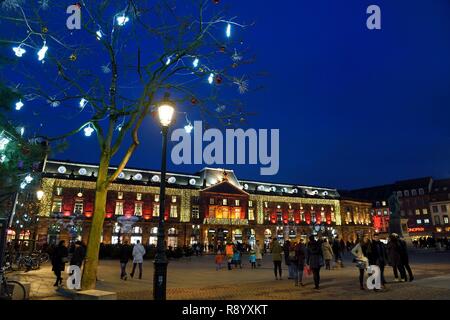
<point x="165" y="114"/>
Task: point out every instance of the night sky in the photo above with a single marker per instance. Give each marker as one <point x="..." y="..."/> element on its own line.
<point x="354" y="107"/>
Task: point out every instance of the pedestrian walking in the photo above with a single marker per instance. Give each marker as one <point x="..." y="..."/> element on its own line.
<point x="404" y="258"/>
<point x="378" y="256"/>
<point x="314" y="259"/>
<point x="59" y="260"/>
<point x="258" y="252"/>
<point x="124" y="257"/>
<point x="338" y="251"/>
<point x="79" y="253"/>
<point x="393" y="251"/>
<point x="286" y="249"/>
<point x="327" y="253"/>
<point x="237" y="258"/>
<point x="252" y="258"/>
<point x="293" y="263"/>
<point x="219" y="260"/>
<point x="276" y="258"/>
<point x="360" y="252"/>
<point x="229" y="251"/>
<point x="300" y="254"/>
<point x="138" y="258"/>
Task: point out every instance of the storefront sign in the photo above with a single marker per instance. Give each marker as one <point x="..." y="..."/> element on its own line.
<point x="226" y="221"/>
<point x="416" y="229"/>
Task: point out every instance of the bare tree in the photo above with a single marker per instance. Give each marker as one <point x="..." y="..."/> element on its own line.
<point x="113" y="72"/>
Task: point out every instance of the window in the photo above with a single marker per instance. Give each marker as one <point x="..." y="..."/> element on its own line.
<point x="237" y="213"/>
<point x="251" y="214"/>
<point x="173" y="211"/>
<point x="399" y="194"/>
<point x="174" y="199"/>
<point x="419" y="221"/>
<point x="138" y="209"/>
<point x="211" y="200"/>
<point x="383" y="203"/>
<point x="385" y="212"/>
<point x="445" y="218"/>
<point x="224" y="202"/>
<point x="78" y="209"/>
<point x="425" y="211"/>
<point x="119" y="208"/>
<point x="156" y="209"/>
<point x="443" y="208"/>
<point x="236" y="203"/>
<point x="426" y="221"/>
<point x="250" y="203"/>
<point x="156" y="197"/>
<point x="57" y="206"/>
<point x="195" y="212"/>
<point x="120" y="195"/>
<point x="437" y="220"/>
<point x="414" y="192"/>
<point x="435" y="209"/>
<point x="406" y="193"/>
<point x="417" y="212"/>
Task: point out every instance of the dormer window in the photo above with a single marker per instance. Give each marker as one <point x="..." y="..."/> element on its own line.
<point x="236" y="203"/>
<point x="421" y="192"/>
<point x="59" y="191"/>
<point x="120" y="195"/>
<point x="174" y="199"/>
<point x="414" y="192"/>
<point x="139" y="196"/>
<point x="211" y="200"/>
<point x="224" y="202"/>
<point x="399" y="194"/>
<point x="156" y="197"/>
<point x="406" y="193"/>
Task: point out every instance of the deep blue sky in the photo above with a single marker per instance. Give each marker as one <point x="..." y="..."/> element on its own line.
<point x="354" y="107"/>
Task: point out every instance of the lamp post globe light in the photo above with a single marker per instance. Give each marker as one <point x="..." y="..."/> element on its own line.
<point x="166" y="111"/>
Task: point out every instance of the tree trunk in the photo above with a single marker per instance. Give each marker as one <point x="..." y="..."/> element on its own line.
<point x="90" y="268"/>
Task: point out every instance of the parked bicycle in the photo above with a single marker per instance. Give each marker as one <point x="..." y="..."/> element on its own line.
<point x="11" y="289"/>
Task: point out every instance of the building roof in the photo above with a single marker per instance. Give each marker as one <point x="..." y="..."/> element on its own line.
<point x="204" y="178"/>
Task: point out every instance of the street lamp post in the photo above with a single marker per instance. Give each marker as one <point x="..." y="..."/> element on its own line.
<point x="165" y="114"/>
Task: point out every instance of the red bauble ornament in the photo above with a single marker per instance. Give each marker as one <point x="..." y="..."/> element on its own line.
<point x="218" y="79"/>
<point x="223" y="49"/>
<point x="194" y="100"/>
<point x="216" y="1"/>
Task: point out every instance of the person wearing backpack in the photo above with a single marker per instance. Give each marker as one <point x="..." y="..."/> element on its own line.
<point x="293" y="263"/>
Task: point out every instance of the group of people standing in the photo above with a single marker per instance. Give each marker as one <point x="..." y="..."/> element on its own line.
<point x="60" y="255"/>
<point x="316" y="253"/>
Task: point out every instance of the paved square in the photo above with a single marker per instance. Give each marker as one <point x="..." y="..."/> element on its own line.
<point x="197" y="278"/>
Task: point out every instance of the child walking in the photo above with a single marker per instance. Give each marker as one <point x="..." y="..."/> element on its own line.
<point x="252" y="258"/>
<point x="219" y="260"/>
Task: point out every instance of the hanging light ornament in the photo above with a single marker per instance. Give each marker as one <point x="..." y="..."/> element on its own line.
<point x="19" y="51"/>
<point x="122" y="20"/>
<point x="19" y="105"/>
<point x="88" y="130"/>
<point x="99" y="34"/>
<point x="195" y="63"/>
<point x="73" y="57"/>
<point x="28" y="179"/>
<point x="83" y="103"/>
<point x="211" y="78"/>
<point x="228" y="31"/>
<point x="42" y="52"/>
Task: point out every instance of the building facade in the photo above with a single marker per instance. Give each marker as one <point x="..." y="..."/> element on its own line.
<point x="440" y="208"/>
<point x="209" y="207"/>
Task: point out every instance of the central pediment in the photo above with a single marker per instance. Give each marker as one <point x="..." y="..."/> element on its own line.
<point x="225" y="187"/>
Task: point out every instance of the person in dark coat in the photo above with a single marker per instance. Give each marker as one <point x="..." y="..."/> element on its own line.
<point x="286" y="247"/>
<point x="300" y="255"/>
<point x="78" y="255"/>
<point x="314" y="259"/>
<point x="124" y="257"/>
<point x="378" y="255"/>
<point x="393" y="251"/>
<point x="59" y="259"/>
<point x="336" y="246"/>
<point x="404" y="259"/>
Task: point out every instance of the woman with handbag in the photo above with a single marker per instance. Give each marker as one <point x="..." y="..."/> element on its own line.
<point x="59" y="260"/>
<point x="360" y="251"/>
